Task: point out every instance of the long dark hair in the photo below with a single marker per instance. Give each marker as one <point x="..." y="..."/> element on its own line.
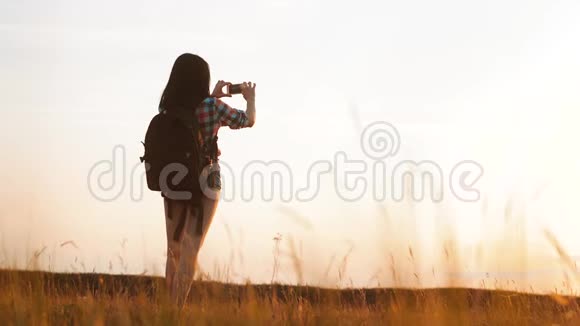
<point x="188" y="83"/>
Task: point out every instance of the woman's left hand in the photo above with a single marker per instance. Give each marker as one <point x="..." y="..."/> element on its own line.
<point x="218" y="90"/>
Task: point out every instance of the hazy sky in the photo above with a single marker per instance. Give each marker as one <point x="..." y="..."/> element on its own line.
<point x="491" y="81"/>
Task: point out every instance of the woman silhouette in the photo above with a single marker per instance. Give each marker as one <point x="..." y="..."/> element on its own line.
<point x="188" y="87"/>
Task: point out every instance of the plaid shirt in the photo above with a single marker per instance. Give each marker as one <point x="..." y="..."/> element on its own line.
<point x="213" y="113"/>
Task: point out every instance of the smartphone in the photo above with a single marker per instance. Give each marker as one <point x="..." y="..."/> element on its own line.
<point x="235" y="89"/>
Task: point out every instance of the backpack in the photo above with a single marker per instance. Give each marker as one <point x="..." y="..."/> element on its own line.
<point x="174" y="158"/>
<point x="173" y="154"/>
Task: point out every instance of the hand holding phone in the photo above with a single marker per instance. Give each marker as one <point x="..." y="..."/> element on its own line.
<point x="249" y="91"/>
<point x="246" y="88"/>
<point x="234" y="89"/>
<point x="218" y="90"/>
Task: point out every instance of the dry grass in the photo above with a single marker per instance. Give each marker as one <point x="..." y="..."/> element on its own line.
<point x="40" y="298"/>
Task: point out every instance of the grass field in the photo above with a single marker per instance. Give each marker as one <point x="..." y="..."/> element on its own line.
<point x="40" y="298"/>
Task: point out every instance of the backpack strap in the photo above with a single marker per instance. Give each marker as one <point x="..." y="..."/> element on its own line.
<point x="211" y="149"/>
<point x="183" y="115"/>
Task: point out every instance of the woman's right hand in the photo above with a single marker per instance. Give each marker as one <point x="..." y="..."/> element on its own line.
<point x="249" y="91"/>
<point x="218" y="90"/>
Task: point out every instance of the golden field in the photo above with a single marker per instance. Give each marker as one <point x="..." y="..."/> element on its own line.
<point x="41" y="298"/>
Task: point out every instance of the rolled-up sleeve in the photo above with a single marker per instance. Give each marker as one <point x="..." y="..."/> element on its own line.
<point x="231" y="117"/>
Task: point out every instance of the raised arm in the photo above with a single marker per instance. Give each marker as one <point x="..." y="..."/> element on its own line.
<point x="234" y="118"/>
<point x="249" y="92"/>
